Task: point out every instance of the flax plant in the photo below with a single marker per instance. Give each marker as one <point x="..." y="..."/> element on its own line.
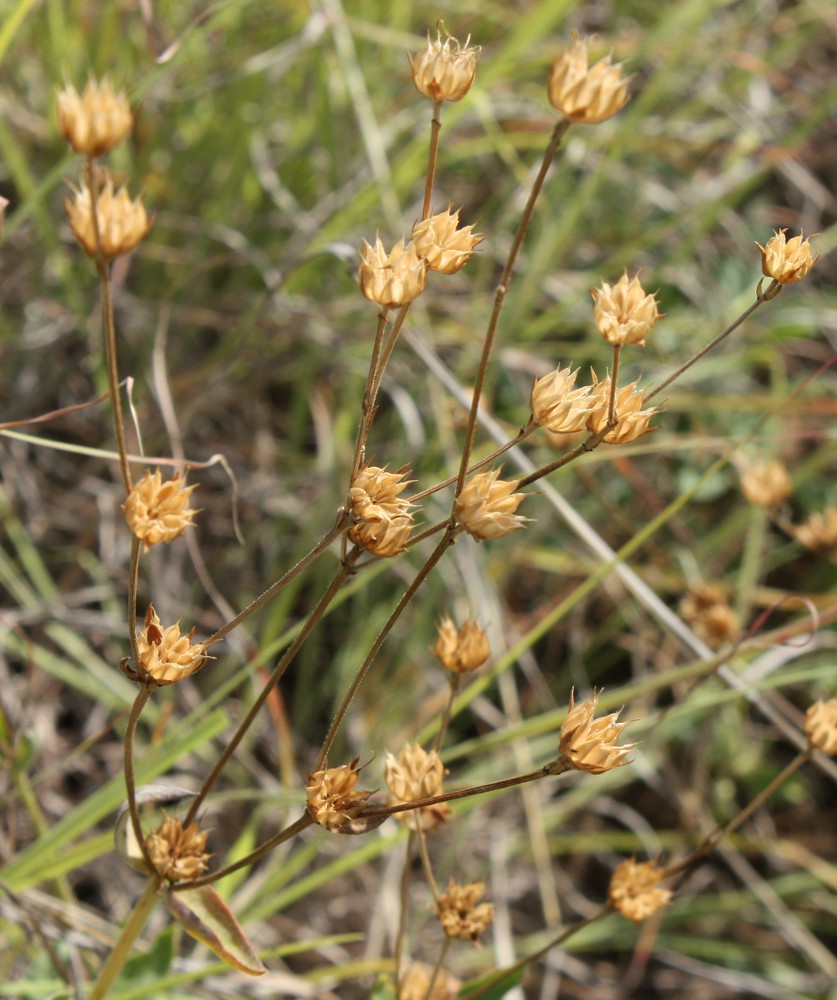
<point x="380" y="519"/>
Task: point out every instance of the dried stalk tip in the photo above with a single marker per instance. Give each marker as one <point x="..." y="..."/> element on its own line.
<point x="634" y="890"/>
<point x="586" y="95"/>
<point x="766" y="485"/>
<point x="706" y="610"/>
<point x="392" y="280"/>
<point x="444" y="71"/>
<point x="166" y="655"/>
<point x="819" y="533"/>
<point x="786" y="261"/>
<point x="177" y="855"/>
<point x="333" y="800"/>
<point x="416" y="774"/>
<point x="97" y="120"/>
<point x="122" y="224"/>
<point x="158" y="511"/>
<point x="416" y="982"/>
<point x="459" y="913"/>
<point x="382" y="519"/>
<point x="558" y="406"/>
<point x="821" y="726"/>
<point x="624" y="313"/>
<point x="589" y="744"/>
<point x="633" y="421"/>
<point x="442" y="244"/>
<point x="461" y="650"/>
<point x="486" y="506"/>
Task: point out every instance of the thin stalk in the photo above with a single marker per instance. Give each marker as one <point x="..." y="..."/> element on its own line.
<point x="103" y="270"/>
<point x="711" y="841"/>
<point x="425" y="860"/>
<point x="368" y="404"/>
<point x="445" y="719"/>
<point x="437" y="968"/>
<point x="761" y="297"/>
<point x="432" y="157"/>
<point x="553" y="768"/>
<point x="304" y="563"/>
<point x="500" y="295"/>
<point x="133" y="583"/>
<point x="404" y="898"/>
<point x="444" y="543"/>
<point x="611" y="403"/>
<point x="490" y="985"/>
<point x="301" y="824"/>
<point x="122" y="949"/>
<point x="130" y="780"/>
<point x="290" y="653"/>
<point x="526" y="431"/>
<point x="588" y="445"/>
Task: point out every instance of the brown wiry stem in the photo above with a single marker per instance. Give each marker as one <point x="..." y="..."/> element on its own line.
<point x="133" y="583"/>
<point x="761" y="297"/>
<point x="368" y="404"/>
<point x="128" y="764"/>
<point x="425" y="860"/>
<point x="553" y="768"/>
<point x="437" y="968"/>
<point x="444" y="543"/>
<point x="445" y="719"/>
<point x="103" y="270"/>
<point x="500" y="296"/>
<point x="526" y="431"/>
<point x="711" y="841"/>
<point x="290" y="653"/>
<point x="304" y="563"/>
<point x="588" y="445"/>
<point x="404" y="895"/>
<point x="432" y="157"/>
<point x="611" y="403"/>
<point x="301" y="824"/>
<point x="490" y="984"/>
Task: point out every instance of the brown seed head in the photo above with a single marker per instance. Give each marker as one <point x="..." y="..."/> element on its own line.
<point x="634" y="890"/>
<point x="557" y="405"/>
<point x="416" y="774"/>
<point x="487" y="504"/>
<point x="821" y="726"/>
<point x="123" y="224"/>
<point x="442" y="244"/>
<point x="158" y="511"/>
<point x="819" y="533"/>
<point x="586" y="95"/>
<point x="391" y="279"/>
<point x="589" y="744"/>
<point x="461" y="650"/>
<point x="415" y="984"/>
<point x="624" y="313"/>
<point x="177" y="855"/>
<point x="706" y="610"/>
<point x="333" y="800"/>
<point x="382" y="519"/>
<point x="633" y="421"/>
<point x="460" y="915"/>
<point x="444" y="71"/>
<point x="786" y="261"/>
<point x="97" y="120"/>
<point x="766" y="485"/>
<point x="165" y="654"/>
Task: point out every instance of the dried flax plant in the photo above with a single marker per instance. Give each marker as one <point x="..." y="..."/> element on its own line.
<point x="379" y="520"/>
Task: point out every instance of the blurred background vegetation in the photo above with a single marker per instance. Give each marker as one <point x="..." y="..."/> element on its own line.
<point x="271" y="139"/>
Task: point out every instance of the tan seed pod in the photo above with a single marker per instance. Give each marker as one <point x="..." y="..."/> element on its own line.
<point x="165" y="655"/>
<point x="634" y="890"/>
<point x="177" y="855"/>
<point x="122" y="224"/>
<point x="95" y="121"/>
<point x="487" y="504"/>
<point x="443" y="244"/>
<point x="460" y="913"/>
<point x="624" y="313"/>
<point x="391" y="279"/>
<point x="586" y="94"/>
<point x="786" y="261"/>
<point x="158" y="511"/>
<point x="416" y="774"/>
<point x="461" y="650"/>
<point x="444" y="71"/>
<point x="589" y="744"/>
<point x="821" y="726"/>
